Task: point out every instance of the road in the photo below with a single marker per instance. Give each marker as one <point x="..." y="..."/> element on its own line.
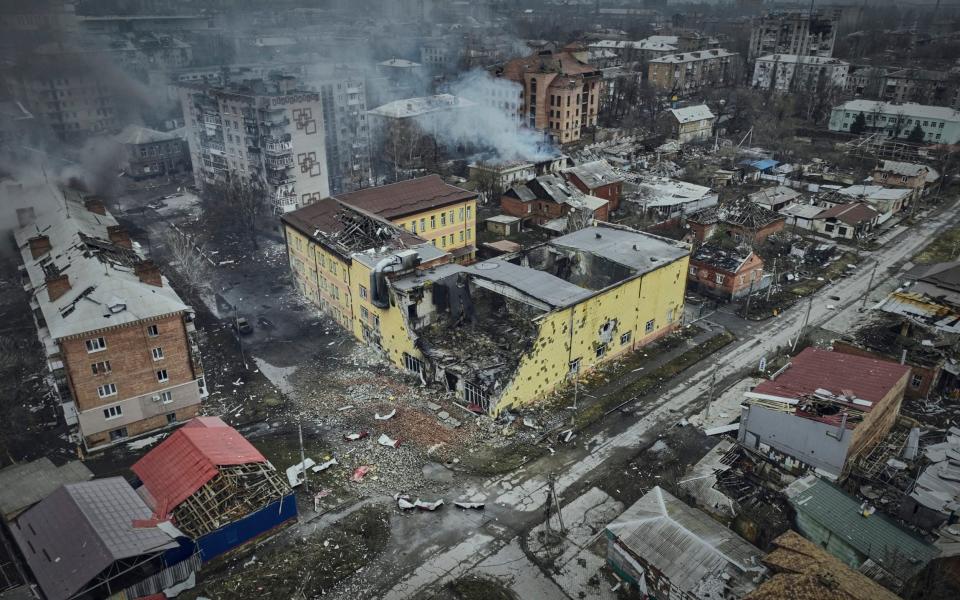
<point x="486" y="545"/>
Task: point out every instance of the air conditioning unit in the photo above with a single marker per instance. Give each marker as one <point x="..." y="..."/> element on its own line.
<point x="156" y="398"/>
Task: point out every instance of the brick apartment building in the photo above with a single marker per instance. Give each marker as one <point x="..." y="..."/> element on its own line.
<point x="119" y="341"/>
<point x="743" y="221"/>
<point x="689" y="72"/>
<point x="560" y="92"/>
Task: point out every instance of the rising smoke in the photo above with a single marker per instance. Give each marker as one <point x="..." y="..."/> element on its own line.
<point x="492" y="126"/>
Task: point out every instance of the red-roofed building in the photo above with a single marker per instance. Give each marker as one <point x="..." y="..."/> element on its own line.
<point x="824" y="410"/>
<point x="205" y="477"/>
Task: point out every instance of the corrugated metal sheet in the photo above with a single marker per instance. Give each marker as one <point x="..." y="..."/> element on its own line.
<point x="693" y="551"/>
<point x="875" y="536"/>
<point x="189" y="458"/>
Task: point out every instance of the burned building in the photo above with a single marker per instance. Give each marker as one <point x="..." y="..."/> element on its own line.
<point x="508" y="331"/>
<point x="742" y="220"/>
<point x="728" y="274"/>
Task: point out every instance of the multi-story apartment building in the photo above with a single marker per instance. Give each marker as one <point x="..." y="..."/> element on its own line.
<point x="343" y="98"/>
<point x="689" y="72"/>
<point x="65" y="95"/>
<point x="940" y="124"/>
<point x="270" y="131"/>
<point x="794" y="32"/>
<point x="560" y="92"/>
<point x="790" y="72"/>
<point x="498" y="334"/>
<point x="120" y="343"/>
<point x="923" y="86"/>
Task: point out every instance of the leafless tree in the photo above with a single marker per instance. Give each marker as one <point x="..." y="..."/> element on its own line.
<point x="236" y="206"/>
<point x="578" y="218"/>
<point x="188" y="256"/>
<point x="407" y="149"/>
<point x="489" y="186"/>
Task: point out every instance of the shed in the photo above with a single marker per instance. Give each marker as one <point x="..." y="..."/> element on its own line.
<point x="856" y="535"/>
<point x="503" y="225"/>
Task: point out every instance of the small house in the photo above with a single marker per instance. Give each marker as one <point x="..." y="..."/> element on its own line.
<point x="847" y="221"/>
<point x="727" y="274"/>
<point x="691" y="124"/>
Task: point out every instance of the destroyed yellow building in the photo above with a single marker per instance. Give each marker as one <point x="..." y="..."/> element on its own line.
<point x="499" y="333"/>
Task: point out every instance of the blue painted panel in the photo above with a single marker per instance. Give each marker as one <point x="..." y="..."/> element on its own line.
<point x="239" y="532"/>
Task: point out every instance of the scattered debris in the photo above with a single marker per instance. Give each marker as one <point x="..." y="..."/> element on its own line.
<point x="470" y="505"/>
<point x="385" y="417"/>
<point x="353" y="437"/>
<point x="295" y="472"/>
<point x="431" y="506"/>
<point x="386" y="440"/>
<point x="324" y="466"/>
<point x="360" y="472"/>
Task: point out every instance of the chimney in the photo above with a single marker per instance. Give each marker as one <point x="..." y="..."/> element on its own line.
<point x="26" y="216"/>
<point x="95" y="205"/>
<point x="119" y="236"/>
<point x="149" y="273"/>
<point x="39" y="246"/>
<point x="57" y="285"/>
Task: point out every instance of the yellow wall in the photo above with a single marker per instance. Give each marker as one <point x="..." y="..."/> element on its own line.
<point x="322" y="276"/>
<point x="461" y="229"/>
<point x="632" y="304"/>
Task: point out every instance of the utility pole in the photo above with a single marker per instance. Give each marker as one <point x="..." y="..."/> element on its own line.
<point x="774" y="282"/>
<point x="803" y="327"/>
<point x="556" y="501"/>
<point x="303" y="459"/>
<point x="866" y="292"/>
<point x="713" y="381"/>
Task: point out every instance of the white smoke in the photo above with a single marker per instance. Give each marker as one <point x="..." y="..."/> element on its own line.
<point x="491" y="128"/>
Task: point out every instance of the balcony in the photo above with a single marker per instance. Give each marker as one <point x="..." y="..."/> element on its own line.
<point x="279" y="178"/>
<point x="278" y="148"/>
<point x="279" y="162"/>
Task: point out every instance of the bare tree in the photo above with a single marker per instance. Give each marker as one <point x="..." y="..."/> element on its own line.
<point x="236" y="205"/>
<point x="188" y="256"/>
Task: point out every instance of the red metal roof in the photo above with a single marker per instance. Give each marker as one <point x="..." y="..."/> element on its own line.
<point x="868" y="378"/>
<point x="189" y="458"/>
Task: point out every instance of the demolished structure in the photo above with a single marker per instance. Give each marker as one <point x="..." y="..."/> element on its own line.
<point x="741" y="220"/>
<point x="729" y="274"/>
<point x="500" y="333"/>
<point x="215" y="486"/>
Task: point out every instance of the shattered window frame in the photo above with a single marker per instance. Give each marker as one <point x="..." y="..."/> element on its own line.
<point x="650" y="326"/>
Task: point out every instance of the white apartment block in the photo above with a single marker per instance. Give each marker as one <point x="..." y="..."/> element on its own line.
<point x="789" y="72"/>
<point x="271" y="131"/>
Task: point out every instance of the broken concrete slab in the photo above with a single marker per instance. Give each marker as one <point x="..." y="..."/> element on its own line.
<point x="443" y="415"/>
<point x="433" y="407"/>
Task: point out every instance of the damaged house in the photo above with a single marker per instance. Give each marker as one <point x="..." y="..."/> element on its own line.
<point x="499" y="333"/>
<point x="553" y="203"/>
<point x="726" y="273"/>
<point x="741" y="220"/>
<point x="824" y="410"/>
<point x="217" y="489"/>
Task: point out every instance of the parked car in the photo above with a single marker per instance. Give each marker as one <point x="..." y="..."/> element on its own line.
<point x="243" y="326"/>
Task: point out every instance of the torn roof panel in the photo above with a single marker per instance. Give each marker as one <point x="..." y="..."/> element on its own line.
<point x="539" y="285"/>
<point x="813" y="369"/>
